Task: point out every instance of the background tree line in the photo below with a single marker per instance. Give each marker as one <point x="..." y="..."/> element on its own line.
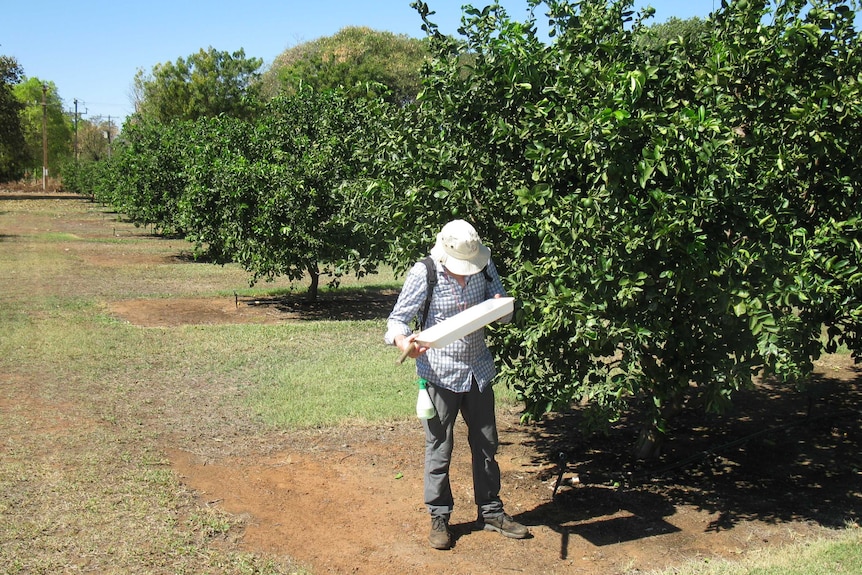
<point x="677" y="207"/>
<point x="205" y="84"/>
<point x="21" y="142"/>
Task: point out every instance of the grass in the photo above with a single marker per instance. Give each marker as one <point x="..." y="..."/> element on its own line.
<point x="329" y="373"/>
<point x="840" y="555"/>
<point x="112" y="508"/>
<point x="86" y="400"/>
<point x="307" y="374"/>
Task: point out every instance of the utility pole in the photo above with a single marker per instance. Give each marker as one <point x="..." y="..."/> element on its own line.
<point x="44" y="136"/>
<point x="77" y="117"/>
<point x="109" y="135"/>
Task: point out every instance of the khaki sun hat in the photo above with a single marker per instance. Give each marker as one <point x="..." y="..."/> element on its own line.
<point x="460" y="250"/>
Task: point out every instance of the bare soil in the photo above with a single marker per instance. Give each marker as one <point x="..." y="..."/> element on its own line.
<point x="350" y="501"/>
<point x="781" y="468"/>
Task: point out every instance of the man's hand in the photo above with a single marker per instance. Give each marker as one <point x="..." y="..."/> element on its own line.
<point x="408" y="346"/>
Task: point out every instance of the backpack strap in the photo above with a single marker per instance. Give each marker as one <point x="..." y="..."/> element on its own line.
<point x="431" y="270"/>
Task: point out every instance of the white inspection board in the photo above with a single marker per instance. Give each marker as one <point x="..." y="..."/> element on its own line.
<point x="466" y="322"/>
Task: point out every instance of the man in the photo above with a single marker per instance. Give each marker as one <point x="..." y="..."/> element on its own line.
<point x="459" y="377"/>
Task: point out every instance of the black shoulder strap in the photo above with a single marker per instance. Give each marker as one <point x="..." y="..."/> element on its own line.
<point x="431" y="270"/>
<point x="487" y="274"/>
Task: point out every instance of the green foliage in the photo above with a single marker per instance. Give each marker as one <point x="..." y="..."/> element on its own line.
<point x="13" y="158"/>
<point x="93" y="160"/>
<point x="677" y="216"/>
<point x="78" y="178"/>
<point x="658" y="36"/>
<point x="270" y="194"/>
<point x="355" y="55"/>
<point x="675" y="219"/>
<point x="59" y="127"/>
<point x="145" y="177"/>
<point x="208" y="83"/>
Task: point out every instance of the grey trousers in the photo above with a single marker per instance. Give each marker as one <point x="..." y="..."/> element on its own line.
<point x="477" y="409"/>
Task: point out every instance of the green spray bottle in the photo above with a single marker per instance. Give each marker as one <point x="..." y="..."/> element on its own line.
<point x="424" y="406"/>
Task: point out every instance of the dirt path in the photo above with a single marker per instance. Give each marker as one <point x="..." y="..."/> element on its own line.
<point x="356" y="508"/>
<point x="350" y="502"/>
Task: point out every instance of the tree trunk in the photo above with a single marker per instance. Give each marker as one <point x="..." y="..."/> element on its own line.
<point x="650" y="440"/>
<point x="649" y="443"/>
<point x="314" y="273"/>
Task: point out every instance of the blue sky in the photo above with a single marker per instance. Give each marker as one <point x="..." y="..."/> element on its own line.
<point x="91" y="49"/>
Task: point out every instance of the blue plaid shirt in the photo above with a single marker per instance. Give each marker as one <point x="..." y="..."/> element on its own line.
<point x="454" y="366"/>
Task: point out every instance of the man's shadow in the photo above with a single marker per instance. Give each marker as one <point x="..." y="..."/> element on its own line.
<point x="602" y="516"/>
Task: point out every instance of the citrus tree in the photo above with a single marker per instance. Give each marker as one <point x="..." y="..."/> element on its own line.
<point x="145" y="176"/>
<point x="676" y="217"/>
<point x="273" y="194"/>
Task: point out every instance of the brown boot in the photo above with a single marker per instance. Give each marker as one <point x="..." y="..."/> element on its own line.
<point x="505" y="525"/>
<point x="440" y="537"/>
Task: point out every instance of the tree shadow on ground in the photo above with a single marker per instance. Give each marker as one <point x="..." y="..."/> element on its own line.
<point x="332" y="305"/>
<point x="11" y="196"/>
<point x="779" y="456"/>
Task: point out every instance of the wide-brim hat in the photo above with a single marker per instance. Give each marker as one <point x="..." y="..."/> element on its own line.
<point x="460" y="250"/>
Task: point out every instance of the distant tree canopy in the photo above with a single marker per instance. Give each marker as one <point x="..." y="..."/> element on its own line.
<point x="205" y="84"/>
<point x="29" y="93"/>
<point x="93" y="141"/>
<point x="12" y="152"/>
<point x="353" y="55"/>
<point x="674" y="29"/>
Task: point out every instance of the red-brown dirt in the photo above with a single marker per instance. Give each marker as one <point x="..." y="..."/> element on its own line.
<point x="781" y="468"/>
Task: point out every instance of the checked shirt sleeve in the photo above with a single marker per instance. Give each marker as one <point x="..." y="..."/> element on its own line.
<point x="410" y="299"/>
